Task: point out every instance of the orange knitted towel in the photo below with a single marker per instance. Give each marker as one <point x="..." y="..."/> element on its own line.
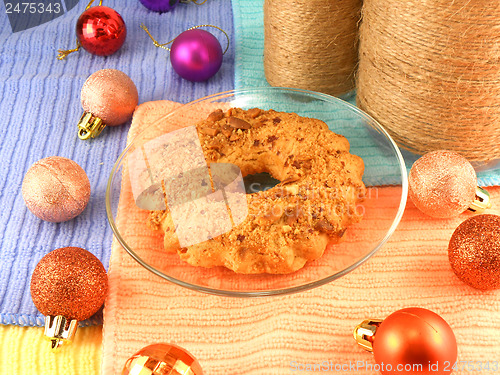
<point x="278" y="335"/>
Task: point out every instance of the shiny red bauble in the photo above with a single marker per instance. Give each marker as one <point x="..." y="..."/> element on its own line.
<point x="415" y="341"/>
<point x="101" y="30"/>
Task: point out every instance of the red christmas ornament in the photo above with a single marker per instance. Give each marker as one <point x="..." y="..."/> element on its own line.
<point x="443" y="184"/>
<point x="99" y="30"/>
<point x="162" y="359"/>
<point x="68" y="285"/>
<point x="409" y="341"/>
<point x="474" y="252"/>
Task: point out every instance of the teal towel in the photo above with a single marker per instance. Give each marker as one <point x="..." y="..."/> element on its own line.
<point x="249" y="72"/>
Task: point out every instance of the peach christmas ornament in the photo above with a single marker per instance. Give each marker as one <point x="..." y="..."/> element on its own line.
<point x="56" y="189"/>
<point x="109" y="97"/>
<point x="443" y="184"/>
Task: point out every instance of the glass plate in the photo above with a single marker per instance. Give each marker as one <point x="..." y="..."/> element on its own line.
<point x="385" y="178"/>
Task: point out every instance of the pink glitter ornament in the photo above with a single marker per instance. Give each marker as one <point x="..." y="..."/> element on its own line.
<point x="443" y="184"/>
<point x="56" y="189"/>
<point x="109" y="97"/>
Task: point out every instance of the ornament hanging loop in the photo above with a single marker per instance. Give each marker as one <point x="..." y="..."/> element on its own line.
<point x="91" y="2"/>
<point x="89" y="126"/>
<point x="155" y="42"/>
<point x="365" y="332"/>
<point x="63" y="53"/>
<point x="59" y="330"/>
<point x="482" y="202"/>
<point x="164" y="45"/>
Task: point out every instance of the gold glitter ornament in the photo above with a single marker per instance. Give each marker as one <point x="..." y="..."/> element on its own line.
<point x="443" y="184"/>
<point x="162" y="359"/>
<point x="68" y="285"/>
<point x="474" y="252"/>
<point x="56" y="189"/>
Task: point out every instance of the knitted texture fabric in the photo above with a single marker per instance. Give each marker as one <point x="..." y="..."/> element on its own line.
<point x="276" y="335"/>
<point x="25" y="351"/>
<point x="249" y="71"/>
<point x="40" y="107"/>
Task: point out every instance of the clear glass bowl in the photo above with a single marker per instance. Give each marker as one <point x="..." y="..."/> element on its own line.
<point x="385" y="178"/>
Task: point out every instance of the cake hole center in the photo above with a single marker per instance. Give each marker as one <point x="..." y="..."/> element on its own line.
<point x="259" y="182"/>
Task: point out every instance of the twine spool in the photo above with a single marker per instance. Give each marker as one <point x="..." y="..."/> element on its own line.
<point x="429" y="72"/>
<point x="311" y="44"/>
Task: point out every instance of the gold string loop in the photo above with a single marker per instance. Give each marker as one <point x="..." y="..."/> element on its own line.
<point x="63" y="53"/>
<point x="193" y="1"/>
<point x="164" y="45"/>
<point x="91" y="2"/>
<point x="155" y="42"/>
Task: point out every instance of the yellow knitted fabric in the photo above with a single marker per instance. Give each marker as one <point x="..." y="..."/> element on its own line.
<point x="25" y="351"/>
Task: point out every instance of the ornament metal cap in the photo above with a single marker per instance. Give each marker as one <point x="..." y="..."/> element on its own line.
<point x="365" y="332"/>
<point x="90" y="126"/>
<point x="59" y="330"/>
<point x="482" y="202"/>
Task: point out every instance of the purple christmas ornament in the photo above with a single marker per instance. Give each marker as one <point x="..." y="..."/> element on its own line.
<point x="160" y="5"/>
<point x="196" y="55"/>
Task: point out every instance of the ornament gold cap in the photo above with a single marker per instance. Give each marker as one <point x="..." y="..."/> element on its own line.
<point x="59" y="330"/>
<point x="482" y="201"/>
<point x="365" y="332"/>
<point x="89" y="126"/>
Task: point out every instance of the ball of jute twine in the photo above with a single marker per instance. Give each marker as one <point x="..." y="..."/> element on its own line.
<point x="429" y="72"/>
<point x="311" y="44"/>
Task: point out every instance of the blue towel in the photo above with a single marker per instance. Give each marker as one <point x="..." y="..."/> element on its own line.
<point x="40" y="107"/>
<point x="249" y="71"/>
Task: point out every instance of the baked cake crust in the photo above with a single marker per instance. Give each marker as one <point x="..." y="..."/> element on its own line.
<point x="293" y="222"/>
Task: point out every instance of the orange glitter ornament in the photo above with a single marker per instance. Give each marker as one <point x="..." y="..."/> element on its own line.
<point x="474" y="252"/>
<point x="68" y="285"/>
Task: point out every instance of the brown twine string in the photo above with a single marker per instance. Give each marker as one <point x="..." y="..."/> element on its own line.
<point x="311" y="44"/>
<point x="429" y="72"/>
